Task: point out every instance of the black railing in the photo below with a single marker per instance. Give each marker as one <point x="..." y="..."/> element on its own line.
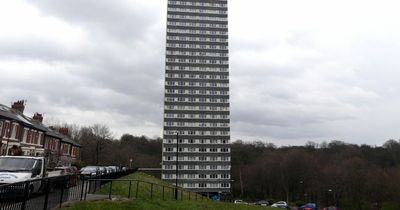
<point x="49" y="193"/>
<point x="133" y="188"/>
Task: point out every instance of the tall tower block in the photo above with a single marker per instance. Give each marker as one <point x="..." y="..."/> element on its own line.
<point x="196" y="102"/>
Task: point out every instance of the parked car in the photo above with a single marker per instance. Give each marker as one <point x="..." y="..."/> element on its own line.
<point x="75" y="170"/>
<point x="111" y="169"/>
<point x="262" y="203"/>
<point x="89" y="171"/>
<point x="280" y="204"/>
<point x="115" y="168"/>
<point x="309" y="206"/>
<point x="239" y="202"/>
<point x="66" y="170"/>
<point x="103" y="170"/>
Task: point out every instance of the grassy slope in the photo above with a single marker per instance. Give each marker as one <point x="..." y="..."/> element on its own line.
<point x="157" y="203"/>
<point x="162" y="205"/>
<point x="144" y="192"/>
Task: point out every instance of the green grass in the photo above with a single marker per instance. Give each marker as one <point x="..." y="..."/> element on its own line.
<point x="144" y="190"/>
<point x="145" y="202"/>
<point x="162" y="205"/>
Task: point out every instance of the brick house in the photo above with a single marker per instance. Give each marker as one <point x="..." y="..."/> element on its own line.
<point x="33" y="138"/>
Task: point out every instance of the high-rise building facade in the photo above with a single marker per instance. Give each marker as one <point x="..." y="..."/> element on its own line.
<point x="196" y="103"/>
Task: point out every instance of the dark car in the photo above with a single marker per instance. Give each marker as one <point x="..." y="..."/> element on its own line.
<point x="309" y="206"/>
<point x="262" y="203"/>
<point x="72" y="173"/>
<point x="90" y="171"/>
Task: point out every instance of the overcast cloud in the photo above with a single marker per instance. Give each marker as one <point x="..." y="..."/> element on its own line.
<point x="300" y="70"/>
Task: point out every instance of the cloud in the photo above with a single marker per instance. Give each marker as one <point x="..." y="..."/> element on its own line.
<point x="71" y="62"/>
<point x="312" y="71"/>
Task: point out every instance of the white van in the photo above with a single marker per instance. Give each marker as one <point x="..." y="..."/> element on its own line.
<point x="22" y="168"/>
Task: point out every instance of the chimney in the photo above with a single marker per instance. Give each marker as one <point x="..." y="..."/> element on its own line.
<point x="19" y="106"/>
<point x="63" y="131"/>
<point x="38" y="117"/>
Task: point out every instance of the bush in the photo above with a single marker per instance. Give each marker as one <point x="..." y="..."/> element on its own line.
<point x="390" y="206"/>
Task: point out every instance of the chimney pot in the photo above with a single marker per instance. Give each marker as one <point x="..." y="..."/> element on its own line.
<point x="38" y="117"/>
<point x="64" y="131"/>
<point x="19" y="106"/>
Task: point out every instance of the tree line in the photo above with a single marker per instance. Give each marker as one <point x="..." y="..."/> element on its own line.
<point x="354" y="177"/>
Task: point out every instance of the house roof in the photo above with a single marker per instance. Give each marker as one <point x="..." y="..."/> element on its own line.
<point x="14" y="115"/>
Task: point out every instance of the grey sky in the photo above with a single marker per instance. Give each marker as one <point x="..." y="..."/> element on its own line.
<point x="300" y="70"/>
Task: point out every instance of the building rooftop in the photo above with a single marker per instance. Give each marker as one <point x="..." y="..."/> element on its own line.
<point x="17" y="116"/>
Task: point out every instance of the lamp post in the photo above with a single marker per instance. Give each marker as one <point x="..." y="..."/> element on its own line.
<point x="2" y="136"/>
<point x="302" y="191"/>
<point x="8" y="134"/>
<point x="329" y="196"/>
<point x="176" y="169"/>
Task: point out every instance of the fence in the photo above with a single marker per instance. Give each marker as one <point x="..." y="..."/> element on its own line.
<point x="133" y="188"/>
<point x="48" y="193"/>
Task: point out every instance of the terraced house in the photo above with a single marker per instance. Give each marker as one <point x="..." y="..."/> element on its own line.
<point x="196" y="138"/>
<point x="22" y="135"/>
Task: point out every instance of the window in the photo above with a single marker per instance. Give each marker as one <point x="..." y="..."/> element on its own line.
<point x="224" y="150"/>
<point x="213" y="158"/>
<point x="225" y="167"/>
<point x="202" y="176"/>
<point x="202" y="185"/>
<point x="213" y="176"/>
<point x="224" y="158"/>
<point x="225" y="185"/>
<point x="225" y="176"/>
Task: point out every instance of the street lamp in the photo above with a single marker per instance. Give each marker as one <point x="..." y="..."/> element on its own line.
<point x="8" y="134"/>
<point x="8" y="139"/>
<point x="176" y="169"/>
<point x="1" y="139"/>
<point x="302" y="191"/>
<point x="329" y="196"/>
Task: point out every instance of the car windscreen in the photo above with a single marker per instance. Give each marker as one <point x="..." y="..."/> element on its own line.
<point x="16" y="164"/>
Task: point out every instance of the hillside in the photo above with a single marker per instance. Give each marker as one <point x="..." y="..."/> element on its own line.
<point x="156" y="203"/>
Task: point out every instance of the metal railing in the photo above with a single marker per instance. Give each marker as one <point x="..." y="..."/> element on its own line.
<point x="133" y="188"/>
<point x="49" y="193"/>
